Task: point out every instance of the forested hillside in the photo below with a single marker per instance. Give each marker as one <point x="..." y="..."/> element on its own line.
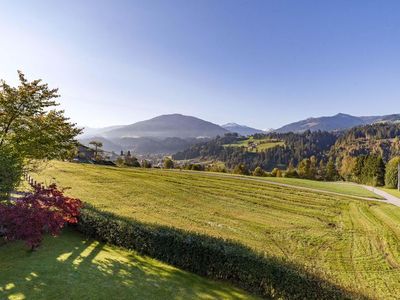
<point x="296" y="147"/>
<point x="378" y="140"/>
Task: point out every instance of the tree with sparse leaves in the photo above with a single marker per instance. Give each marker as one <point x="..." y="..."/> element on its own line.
<point x="97" y="149"/>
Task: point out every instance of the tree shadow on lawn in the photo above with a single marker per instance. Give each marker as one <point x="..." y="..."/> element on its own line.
<point x="213" y="257"/>
<point x="71" y="267"/>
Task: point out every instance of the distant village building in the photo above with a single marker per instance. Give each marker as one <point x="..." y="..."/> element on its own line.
<point x="84" y="153"/>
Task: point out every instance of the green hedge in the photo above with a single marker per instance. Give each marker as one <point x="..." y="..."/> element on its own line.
<point x="212" y="257"/>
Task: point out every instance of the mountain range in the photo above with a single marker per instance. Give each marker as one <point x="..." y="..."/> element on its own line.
<point x="167" y="134"/>
<point x="336" y="123"/>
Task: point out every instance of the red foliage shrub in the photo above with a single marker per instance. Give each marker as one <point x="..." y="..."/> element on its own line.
<point x="47" y="210"/>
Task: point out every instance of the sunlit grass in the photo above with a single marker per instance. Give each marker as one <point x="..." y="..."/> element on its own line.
<point x="72" y="267"/>
<point x="337" y="187"/>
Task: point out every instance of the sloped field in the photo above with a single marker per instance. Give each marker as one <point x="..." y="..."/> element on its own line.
<point x="350" y="243"/>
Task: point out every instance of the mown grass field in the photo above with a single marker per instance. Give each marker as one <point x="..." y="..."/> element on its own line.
<point x="262" y="144"/>
<point x="72" y="267"/>
<point x="351" y="243"/>
<point x="336" y="187"/>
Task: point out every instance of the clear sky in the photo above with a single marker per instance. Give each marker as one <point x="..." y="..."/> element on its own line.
<point x="260" y="63"/>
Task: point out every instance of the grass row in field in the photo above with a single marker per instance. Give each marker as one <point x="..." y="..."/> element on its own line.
<point x="344" y="188"/>
<point x="337" y="187"/>
<point x="72" y="267"/>
<point x="352" y="243"/>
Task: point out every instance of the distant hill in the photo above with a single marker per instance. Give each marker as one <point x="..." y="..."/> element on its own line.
<point x="381" y="138"/>
<point x="336" y="122"/>
<point x="241" y="129"/>
<point x="174" y="125"/>
<point x="164" y="134"/>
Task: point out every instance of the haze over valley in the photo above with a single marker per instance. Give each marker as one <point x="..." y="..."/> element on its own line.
<point x="168" y="134"/>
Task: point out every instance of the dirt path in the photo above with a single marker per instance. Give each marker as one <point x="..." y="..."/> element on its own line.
<point x="389" y="198"/>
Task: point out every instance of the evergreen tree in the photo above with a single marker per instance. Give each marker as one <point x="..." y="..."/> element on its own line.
<point x="321" y="170"/>
<point x="331" y="172"/>
<point x="380" y="172"/>
<point x="304" y="168"/>
<point x="313" y="168"/>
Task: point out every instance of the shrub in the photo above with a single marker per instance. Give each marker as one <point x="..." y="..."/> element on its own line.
<point x="258" y="172"/>
<point x="168" y="163"/>
<point x="208" y="256"/>
<point x="197" y="167"/>
<point x="119" y="161"/>
<point x="292" y="173"/>
<point x="216" y="168"/>
<point x="146" y="164"/>
<point x="276" y="172"/>
<point x="44" y="211"/>
<point x="241" y="169"/>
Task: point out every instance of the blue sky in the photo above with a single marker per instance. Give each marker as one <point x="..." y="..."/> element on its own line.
<point x="260" y="63"/>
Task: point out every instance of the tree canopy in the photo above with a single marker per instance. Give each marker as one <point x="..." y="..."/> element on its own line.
<point x="30" y="125"/>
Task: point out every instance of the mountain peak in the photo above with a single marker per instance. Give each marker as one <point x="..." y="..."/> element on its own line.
<point x="169" y="125"/>
<point x="341" y="115"/>
<point x="230" y="124"/>
<point x="241" y="129"/>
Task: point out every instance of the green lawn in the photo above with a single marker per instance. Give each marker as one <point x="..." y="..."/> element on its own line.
<point x="337" y="187"/>
<point x="354" y="244"/>
<point x="72" y="267"/>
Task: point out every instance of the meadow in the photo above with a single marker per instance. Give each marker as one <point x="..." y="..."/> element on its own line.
<point x="351" y="243"/>
<point x="73" y="267"/>
<point x="335" y="187"/>
<point x="261" y="144"/>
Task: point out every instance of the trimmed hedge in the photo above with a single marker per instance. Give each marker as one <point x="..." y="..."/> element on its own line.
<point x="212" y="257"/>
